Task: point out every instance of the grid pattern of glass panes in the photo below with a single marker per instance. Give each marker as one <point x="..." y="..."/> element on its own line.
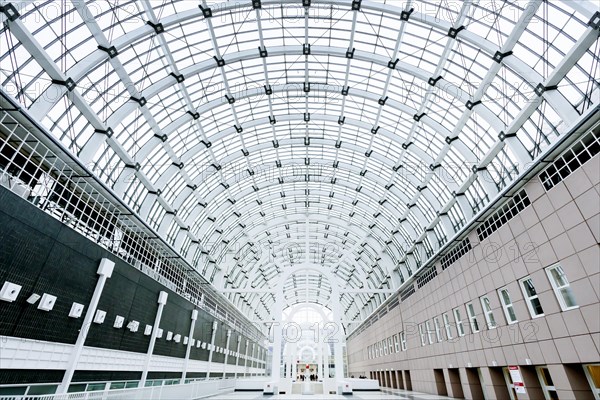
<point x="512" y="207"/>
<point x="226" y="125"/>
<point x="573" y="158"/>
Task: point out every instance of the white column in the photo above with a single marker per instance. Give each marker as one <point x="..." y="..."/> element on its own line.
<point x="237" y="356"/>
<point x="294" y="361"/>
<point x="212" y="349"/>
<point x="337" y="345"/>
<point x="226" y="353"/>
<point x="252" y="358"/>
<point x="246" y="357"/>
<point x="105" y="271"/>
<point x="277" y="336"/>
<point x="162" y="300"/>
<point x="189" y="345"/>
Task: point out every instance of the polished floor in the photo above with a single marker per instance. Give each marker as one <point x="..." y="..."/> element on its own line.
<point x="387" y="394"/>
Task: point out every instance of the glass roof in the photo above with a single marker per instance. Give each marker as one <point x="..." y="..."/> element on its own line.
<point x="368" y="132"/>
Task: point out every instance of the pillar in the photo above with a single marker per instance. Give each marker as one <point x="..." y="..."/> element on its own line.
<point x="252" y="358"/>
<point x="246" y="358"/>
<point x="237" y="356"/>
<point x="189" y="345"/>
<point x="105" y="271"/>
<point x="162" y="300"/>
<point x="226" y="353"/>
<point x="212" y="348"/>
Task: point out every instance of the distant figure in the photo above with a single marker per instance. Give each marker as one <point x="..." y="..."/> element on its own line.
<point x="352" y="376"/>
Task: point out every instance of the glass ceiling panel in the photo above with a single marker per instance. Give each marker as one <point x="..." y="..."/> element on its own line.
<point x="343" y="133"/>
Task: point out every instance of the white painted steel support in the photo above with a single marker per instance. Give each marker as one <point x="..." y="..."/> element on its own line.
<point x="226" y="353"/>
<point x="162" y="300"/>
<point x="252" y="358"/>
<point x="237" y="356"/>
<point x="212" y="348"/>
<point x="246" y="358"/>
<point x="189" y="345"/>
<point x="105" y="271"/>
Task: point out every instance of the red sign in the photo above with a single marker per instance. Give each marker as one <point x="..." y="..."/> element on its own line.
<point x="307" y="366"/>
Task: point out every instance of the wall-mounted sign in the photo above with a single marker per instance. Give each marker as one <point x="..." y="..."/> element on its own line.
<point x="517" y="379"/>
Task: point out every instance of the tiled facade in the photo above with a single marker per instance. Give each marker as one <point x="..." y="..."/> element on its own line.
<point x="561" y="226"/>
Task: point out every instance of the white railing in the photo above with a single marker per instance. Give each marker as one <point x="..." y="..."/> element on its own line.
<point x="189" y="391"/>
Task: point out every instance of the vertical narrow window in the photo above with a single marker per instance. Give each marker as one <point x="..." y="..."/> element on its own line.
<point x="547" y="383"/>
<point x="438" y="329"/>
<point x="385" y="348"/>
<point x="459" y="323"/>
<point x="486" y="306"/>
<point x="447" y="325"/>
<point x="390" y="345"/>
<point x="368" y="352"/>
<point x="592" y="372"/>
<point x="396" y="343"/>
<point x="403" y="341"/>
<point x="422" y="334"/>
<point x="472" y="318"/>
<point x="531" y="297"/>
<point x="507" y="306"/>
<point x="376" y="350"/>
<point x="429" y="331"/>
<point x="562" y="287"/>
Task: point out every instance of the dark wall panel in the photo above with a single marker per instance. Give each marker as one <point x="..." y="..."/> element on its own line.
<point x="45" y="256"/>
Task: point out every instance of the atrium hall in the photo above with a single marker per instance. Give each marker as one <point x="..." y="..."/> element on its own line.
<point x="326" y="199"/>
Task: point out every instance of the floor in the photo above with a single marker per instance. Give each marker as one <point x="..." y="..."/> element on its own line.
<point x="387" y="394"/>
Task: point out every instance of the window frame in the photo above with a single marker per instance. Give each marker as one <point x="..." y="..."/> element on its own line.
<point x="396" y="343"/>
<point x="558" y="289"/>
<point x="429" y="331"/>
<point x="438" y="329"/>
<point x="545" y="387"/>
<point x="529" y="299"/>
<point x="507" y="307"/>
<point x="595" y="389"/>
<point x="403" y="345"/>
<point x="460" y="328"/>
<point x="447" y="326"/>
<point x="488" y="312"/>
<point x="422" y="334"/>
<point x="472" y="316"/>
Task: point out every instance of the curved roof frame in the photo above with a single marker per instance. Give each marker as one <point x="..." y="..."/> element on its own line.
<point x="508" y="150"/>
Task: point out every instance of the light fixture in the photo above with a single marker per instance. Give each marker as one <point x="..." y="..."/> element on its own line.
<point x="169" y="335"/>
<point x="47" y="302"/>
<point x="9" y="291"/>
<point x="159" y="333"/>
<point x="76" y="310"/>
<point x="118" y="322"/>
<point x="177" y="338"/>
<point x="33" y="298"/>
<point x="148" y="330"/>
<point x="99" y="317"/>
